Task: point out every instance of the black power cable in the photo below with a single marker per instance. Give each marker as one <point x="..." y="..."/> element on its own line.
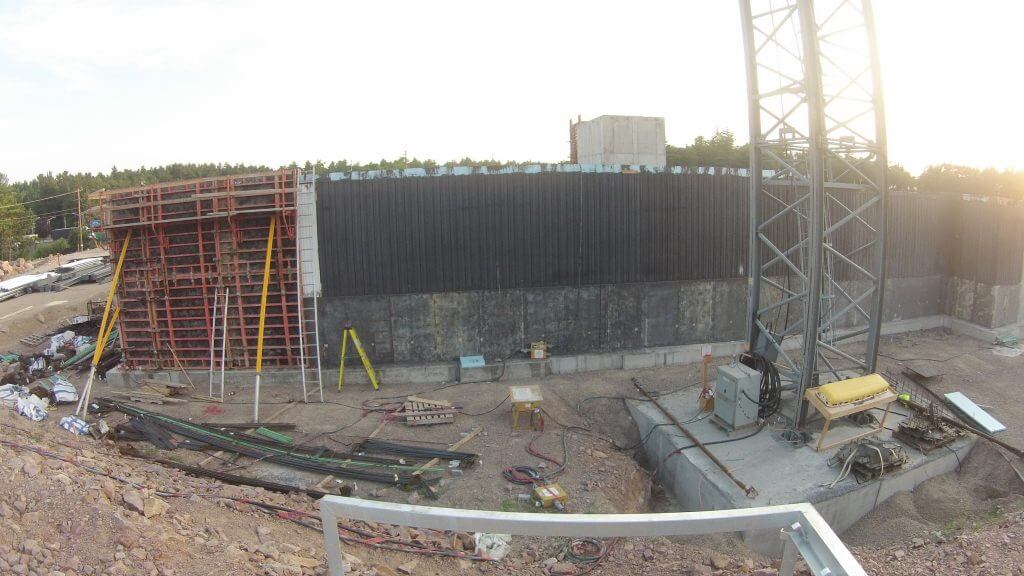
<point x="770" y="397"/>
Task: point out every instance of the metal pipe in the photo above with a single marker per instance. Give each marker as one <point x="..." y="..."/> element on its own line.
<point x="816" y="221"/>
<point x="754" y="198"/>
<point x="224" y="340"/>
<point x="882" y="165"/>
<point x="213" y="336"/>
<point x="748" y="490"/>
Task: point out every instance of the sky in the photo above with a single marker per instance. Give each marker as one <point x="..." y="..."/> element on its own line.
<point x="87" y="85"/>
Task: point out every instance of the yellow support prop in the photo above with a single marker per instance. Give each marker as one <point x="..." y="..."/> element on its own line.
<point x="110" y="298"/>
<point x="341" y="364"/>
<point x="263" y="295"/>
<point x="263" y="318"/>
<point x="350" y="332"/>
<point x="113" y="322"/>
<point x="83" y="399"/>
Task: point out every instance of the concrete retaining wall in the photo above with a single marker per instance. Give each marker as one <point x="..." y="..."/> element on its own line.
<point x="425" y="328"/>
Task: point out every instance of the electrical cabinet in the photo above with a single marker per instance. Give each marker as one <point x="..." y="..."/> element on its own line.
<point x="737" y="389"/>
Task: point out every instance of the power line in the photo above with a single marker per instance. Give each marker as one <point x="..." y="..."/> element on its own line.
<point x="34" y="217"/>
<point x="39" y="199"/>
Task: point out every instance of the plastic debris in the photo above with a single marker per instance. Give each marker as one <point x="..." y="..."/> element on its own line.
<point x="9" y="394"/>
<point x="75" y="424"/>
<point x="32" y="407"/>
<point x="62" y="391"/>
<point x="492" y="546"/>
<point x="37" y="365"/>
<point x="57" y="341"/>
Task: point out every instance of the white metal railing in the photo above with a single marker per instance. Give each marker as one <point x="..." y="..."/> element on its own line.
<point x="803" y="530"/>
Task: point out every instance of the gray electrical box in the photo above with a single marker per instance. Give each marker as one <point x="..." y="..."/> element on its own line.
<point x="737" y="389"/>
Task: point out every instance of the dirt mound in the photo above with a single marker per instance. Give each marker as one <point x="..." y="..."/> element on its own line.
<point x="984" y="485"/>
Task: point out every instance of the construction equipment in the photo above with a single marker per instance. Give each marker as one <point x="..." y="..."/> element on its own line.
<point x="847" y="398"/>
<point x="526" y="400"/>
<point x="350" y="333"/>
<point x="539" y="350"/>
<point x="550" y="496"/>
<point x="968" y="411"/>
<point x="867" y="459"/>
<point x="926" y="431"/>
<point x="804" y="138"/>
<point x="906" y="400"/>
<point x="737" y="388"/>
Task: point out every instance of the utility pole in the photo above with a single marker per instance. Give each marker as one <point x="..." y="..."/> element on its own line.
<point x="80" y="239"/>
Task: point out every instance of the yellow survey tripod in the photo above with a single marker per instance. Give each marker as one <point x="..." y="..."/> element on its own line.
<point x="350" y="332"/>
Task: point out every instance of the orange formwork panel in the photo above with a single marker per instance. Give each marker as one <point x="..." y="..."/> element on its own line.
<point x="192" y="239"/>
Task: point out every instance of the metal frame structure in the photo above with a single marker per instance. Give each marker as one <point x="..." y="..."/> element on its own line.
<point x="818" y="189"/>
<point x="803" y="530"/>
<point x="196" y="238"/>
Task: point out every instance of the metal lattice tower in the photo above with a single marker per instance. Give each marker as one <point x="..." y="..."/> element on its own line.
<point x="817" y="187"/>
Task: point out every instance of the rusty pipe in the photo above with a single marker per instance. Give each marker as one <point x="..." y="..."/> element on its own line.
<point x="748" y="490"/>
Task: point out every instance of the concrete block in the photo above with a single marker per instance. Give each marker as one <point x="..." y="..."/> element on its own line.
<point x="1006" y="305"/>
<point x="781" y="473"/>
<point x="623" y="305"/>
<point x="695" y="308"/>
<point x="729" y="310"/>
<point x="457" y="322"/>
<point x="565" y="364"/>
<point x="419" y="374"/>
<point x="369" y="315"/>
<point x="550" y="315"/>
<point x="913" y="297"/>
<point x="413" y="328"/>
<point x="644" y="360"/>
<point x="660" y="314"/>
<point x="960" y="298"/>
<point x="526" y="369"/>
<point x="984" y="305"/>
<point x="502" y="330"/>
<point x="589" y="320"/>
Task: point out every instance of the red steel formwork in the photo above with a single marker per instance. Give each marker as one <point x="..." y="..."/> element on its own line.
<point x="192" y="240"/>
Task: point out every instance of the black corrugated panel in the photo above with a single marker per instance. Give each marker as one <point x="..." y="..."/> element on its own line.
<point x="482" y="232"/>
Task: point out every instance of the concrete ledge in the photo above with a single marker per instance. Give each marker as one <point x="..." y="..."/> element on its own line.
<point x="524" y="369"/>
<point x="781" y="473"/>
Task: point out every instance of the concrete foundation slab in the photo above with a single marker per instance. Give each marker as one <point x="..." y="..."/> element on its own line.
<point x="780" y="472"/>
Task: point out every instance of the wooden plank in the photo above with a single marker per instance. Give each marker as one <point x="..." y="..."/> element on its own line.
<point x="427" y="421"/>
<point x="427" y="413"/>
<point x="281" y="411"/>
<point x="167" y="383"/>
<point x="426" y="401"/>
<point x="180" y="367"/>
<point x="433" y="461"/>
<point x="215" y="456"/>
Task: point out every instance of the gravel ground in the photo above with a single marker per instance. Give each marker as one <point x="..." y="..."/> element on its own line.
<point x="56" y="518"/>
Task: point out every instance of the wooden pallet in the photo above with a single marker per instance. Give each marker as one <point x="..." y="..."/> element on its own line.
<point x="420" y="412"/>
<point x="34" y="339"/>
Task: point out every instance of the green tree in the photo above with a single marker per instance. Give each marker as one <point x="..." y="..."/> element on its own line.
<point x="16" y="221"/>
<point x="719" y="151"/>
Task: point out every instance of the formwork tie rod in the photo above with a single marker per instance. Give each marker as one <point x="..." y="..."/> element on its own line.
<point x="748" y="490"/>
